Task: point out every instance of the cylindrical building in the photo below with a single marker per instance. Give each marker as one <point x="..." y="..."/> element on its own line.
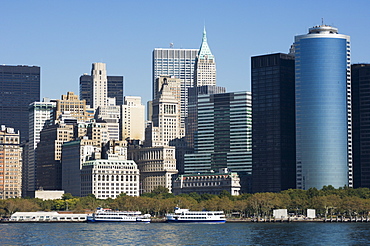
<point x="323" y="130"/>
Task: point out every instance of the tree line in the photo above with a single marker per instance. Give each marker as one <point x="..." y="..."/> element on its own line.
<point x="327" y="201"/>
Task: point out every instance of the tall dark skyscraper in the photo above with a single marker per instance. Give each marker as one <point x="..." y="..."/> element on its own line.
<point x="273" y="124"/>
<point x="361" y="124"/>
<point x="19" y="86"/>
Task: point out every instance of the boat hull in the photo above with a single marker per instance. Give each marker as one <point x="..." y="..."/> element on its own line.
<point x="122" y="221"/>
<point x="196" y="221"/>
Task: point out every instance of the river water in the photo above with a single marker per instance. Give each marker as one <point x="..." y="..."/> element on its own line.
<point x="298" y="233"/>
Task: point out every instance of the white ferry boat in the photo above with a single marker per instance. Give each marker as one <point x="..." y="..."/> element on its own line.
<point x="186" y="216"/>
<point x="107" y="215"/>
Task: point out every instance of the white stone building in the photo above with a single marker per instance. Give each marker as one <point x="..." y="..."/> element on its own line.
<point x="109" y="178"/>
<point x="210" y="183"/>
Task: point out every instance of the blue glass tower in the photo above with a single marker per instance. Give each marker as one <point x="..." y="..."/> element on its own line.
<point x="323" y="128"/>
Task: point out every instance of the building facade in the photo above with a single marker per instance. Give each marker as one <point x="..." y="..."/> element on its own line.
<point x="166" y="120"/>
<point x="111" y="115"/>
<point x="39" y="114"/>
<point x="10" y="163"/>
<point x="74" y="154"/>
<point x="156" y="165"/>
<point x="109" y="178"/>
<point x="192" y="119"/>
<point x="360" y="79"/>
<point x="224" y="136"/>
<point x="209" y="183"/>
<point x="205" y="65"/>
<point x="114" y="87"/>
<point x="49" y="152"/>
<point x="179" y="63"/>
<point x="132" y="119"/>
<point x="323" y="113"/>
<point x="273" y="111"/>
<point x="72" y="105"/>
<point x="19" y="86"/>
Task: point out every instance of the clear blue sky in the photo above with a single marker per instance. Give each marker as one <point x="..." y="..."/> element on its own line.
<point x="65" y="37"/>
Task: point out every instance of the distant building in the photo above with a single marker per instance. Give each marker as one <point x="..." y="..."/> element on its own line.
<point x="10" y="163"/>
<point x="156" y="164"/>
<point x="205" y="65"/>
<point x="224" y="136"/>
<point x="132" y="119"/>
<point x="49" y="194"/>
<point x="70" y="104"/>
<point x="74" y="154"/>
<point x="166" y="122"/>
<point x="113" y="85"/>
<point x="39" y="114"/>
<point x="109" y="178"/>
<point x="361" y="124"/>
<point x="323" y="108"/>
<point x="19" y="86"/>
<point x="110" y="114"/>
<point x="191" y="126"/>
<point x="179" y="63"/>
<point x="49" y="153"/>
<point x="207" y="183"/>
<point x="273" y="112"/>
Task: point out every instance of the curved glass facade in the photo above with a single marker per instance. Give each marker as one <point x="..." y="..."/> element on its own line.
<point x="321" y="110"/>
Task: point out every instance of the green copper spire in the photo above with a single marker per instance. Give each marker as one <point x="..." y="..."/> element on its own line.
<point x="205" y="51"/>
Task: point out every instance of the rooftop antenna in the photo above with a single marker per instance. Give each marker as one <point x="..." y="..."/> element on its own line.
<point x="171" y="45"/>
<point x="322" y="21"/>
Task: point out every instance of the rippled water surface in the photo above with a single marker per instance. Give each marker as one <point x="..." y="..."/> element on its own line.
<point x="185" y="234"/>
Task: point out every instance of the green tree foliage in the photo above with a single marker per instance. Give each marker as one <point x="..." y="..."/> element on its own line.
<point x="328" y="202"/>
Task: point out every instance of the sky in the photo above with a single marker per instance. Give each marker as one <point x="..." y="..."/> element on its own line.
<point x="65" y="37"/>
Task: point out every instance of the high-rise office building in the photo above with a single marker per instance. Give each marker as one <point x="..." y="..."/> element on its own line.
<point x="111" y="115"/>
<point x="273" y="131"/>
<point x="113" y="85"/>
<point x="19" y="86"/>
<point x="115" y="88"/>
<point x="360" y="85"/>
<point x="39" y="114"/>
<point x="165" y="125"/>
<point x="323" y="113"/>
<point x="224" y="135"/>
<point x="192" y="118"/>
<point x="179" y="63"/>
<point x="99" y="84"/>
<point x="205" y="65"/>
<point x="132" y="119"/>
<point x="10" y="163"/>
<point x="70" y="103"/>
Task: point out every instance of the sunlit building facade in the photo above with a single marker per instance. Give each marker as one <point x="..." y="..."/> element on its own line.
<point x="323" y="113"/>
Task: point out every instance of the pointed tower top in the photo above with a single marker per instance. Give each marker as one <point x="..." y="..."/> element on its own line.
<point x="205" y="51"/>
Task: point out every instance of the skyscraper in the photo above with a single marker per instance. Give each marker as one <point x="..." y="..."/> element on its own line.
<point x="323" y="113"/>
<point x="191" y="126"/>
<point x="205" y="65"/>
<point x="360" y="79"/>
<point x="132" y="119"/>
<point x="39" y="114"/>
<point x="224" y="135"/>
<point x="165" y="125"/>
<point x="114" y="86"/>
<point x="10" y="163"/>
<point x="179" y="63"/>
<point x="273" y="110"/>
<point x="99" y="84"/>
<point x="19" y="86"/>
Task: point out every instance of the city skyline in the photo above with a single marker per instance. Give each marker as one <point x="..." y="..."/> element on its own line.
<point x="64" y="38"/>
